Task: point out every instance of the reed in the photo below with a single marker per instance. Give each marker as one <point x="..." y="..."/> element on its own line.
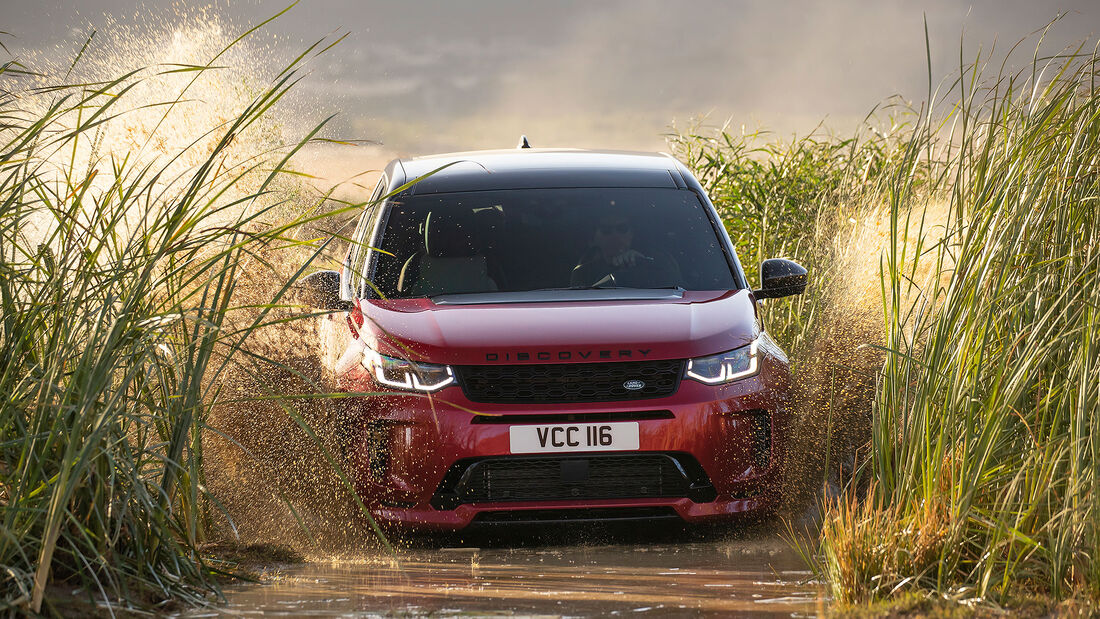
<point x="120" y="275"/>
<point x="985" y="410"/>
<point x="950" y="331"/>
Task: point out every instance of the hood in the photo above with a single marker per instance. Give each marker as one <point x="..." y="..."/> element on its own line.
<point x="698" y="324"/>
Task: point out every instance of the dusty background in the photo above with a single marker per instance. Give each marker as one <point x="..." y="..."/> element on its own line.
<point x="440" y="75"/>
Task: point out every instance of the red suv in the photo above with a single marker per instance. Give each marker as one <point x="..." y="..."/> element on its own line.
<point x="555" y="335"/>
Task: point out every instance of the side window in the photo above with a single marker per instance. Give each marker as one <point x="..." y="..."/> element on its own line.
<point x="352" y="279"/>
<point x="363" y="265"/>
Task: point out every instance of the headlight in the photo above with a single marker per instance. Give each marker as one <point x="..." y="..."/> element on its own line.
<point x="725" y="367"/>
<point x="408" y="375"/>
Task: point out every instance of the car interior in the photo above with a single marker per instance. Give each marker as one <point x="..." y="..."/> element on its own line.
<point x="522" y="240"/>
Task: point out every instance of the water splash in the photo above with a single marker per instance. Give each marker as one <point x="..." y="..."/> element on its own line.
<point x="834" y="390"/>
<point x="187" y="80"/>
<point x="168" y="88"/>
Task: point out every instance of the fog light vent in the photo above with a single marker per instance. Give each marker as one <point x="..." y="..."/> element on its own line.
<point x="761" y="438"/>
<point x="378" y="451"/>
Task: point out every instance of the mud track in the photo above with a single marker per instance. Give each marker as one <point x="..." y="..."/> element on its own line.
<point x="549" y="572"/>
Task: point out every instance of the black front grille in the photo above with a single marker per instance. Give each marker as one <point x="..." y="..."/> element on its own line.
<point x="547" y="478"/>
<point x="569" y="382"/>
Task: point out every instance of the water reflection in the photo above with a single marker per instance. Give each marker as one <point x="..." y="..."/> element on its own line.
<point x="601" y="574"/>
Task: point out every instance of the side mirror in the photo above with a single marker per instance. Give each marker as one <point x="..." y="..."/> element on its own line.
<point x="780" y="278"/>
<point x="322" y="290"/>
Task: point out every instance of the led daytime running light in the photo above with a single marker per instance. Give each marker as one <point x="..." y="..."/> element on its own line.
<point x="727" y="373"/>
<point x="410" y="376"/>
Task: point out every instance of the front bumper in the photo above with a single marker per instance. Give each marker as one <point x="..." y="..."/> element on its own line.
<point x="404" y="451"/>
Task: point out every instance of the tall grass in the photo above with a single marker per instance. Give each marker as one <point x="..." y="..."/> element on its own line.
<point x="985" y="434"/>
<point x="119" y="277"/>
<point x="950" y="330"/>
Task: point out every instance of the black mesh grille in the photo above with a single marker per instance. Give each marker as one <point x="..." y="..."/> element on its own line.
<point x="569" y="382"/>
<point x="540" y="478"/>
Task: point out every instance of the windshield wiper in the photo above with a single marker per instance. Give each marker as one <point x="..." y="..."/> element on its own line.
<point x="593" y="287"/>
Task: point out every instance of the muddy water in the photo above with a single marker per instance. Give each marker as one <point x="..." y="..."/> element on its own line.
<point x="633" y="574"/>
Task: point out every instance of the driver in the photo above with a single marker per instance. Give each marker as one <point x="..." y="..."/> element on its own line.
<point x="611" y="260"/>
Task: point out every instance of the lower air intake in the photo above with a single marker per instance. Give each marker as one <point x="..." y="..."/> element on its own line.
<point x="541" y="478"/>
<point x="587" y="514"/>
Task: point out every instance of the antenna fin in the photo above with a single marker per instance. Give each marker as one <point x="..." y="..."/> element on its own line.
<point x="523" y="143"/>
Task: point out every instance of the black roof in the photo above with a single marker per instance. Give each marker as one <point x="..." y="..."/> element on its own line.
<point x="538" y="167"/>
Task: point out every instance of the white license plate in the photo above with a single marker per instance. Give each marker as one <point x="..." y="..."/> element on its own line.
<point x="620" y="436"/>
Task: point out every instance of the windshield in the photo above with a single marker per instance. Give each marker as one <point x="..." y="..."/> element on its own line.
<point x="537" y="239"/>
